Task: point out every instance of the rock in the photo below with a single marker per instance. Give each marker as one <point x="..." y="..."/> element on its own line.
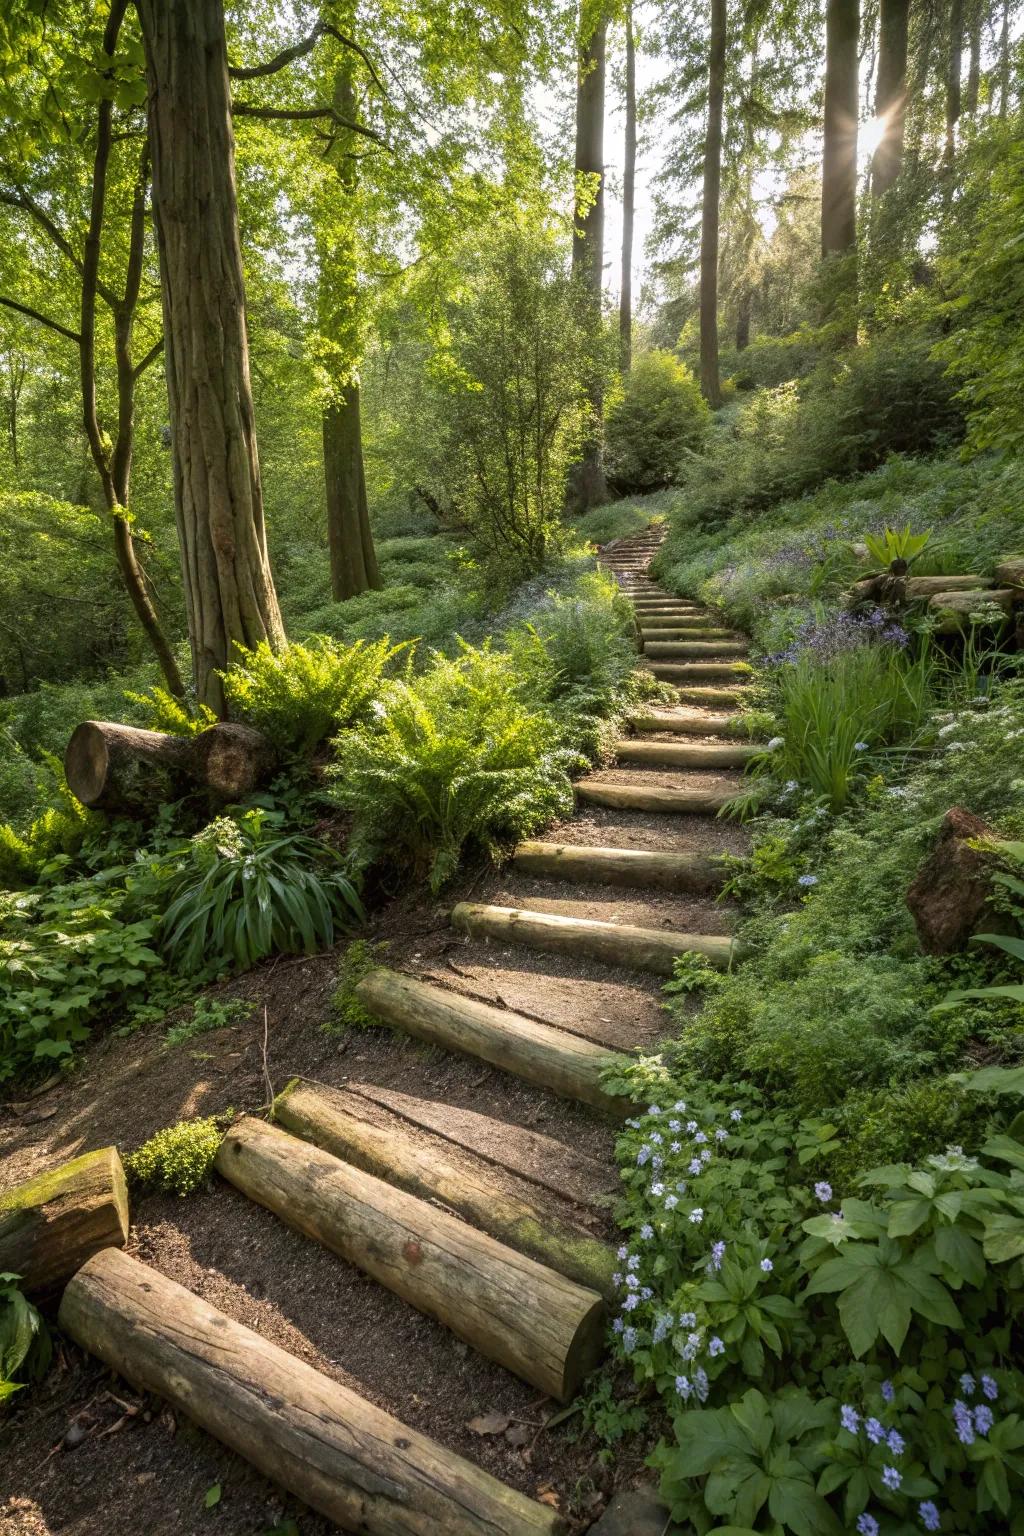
<point x="953" y="887"/>
<point x="1011" y="572"/>
<point x="635" y="1512"/>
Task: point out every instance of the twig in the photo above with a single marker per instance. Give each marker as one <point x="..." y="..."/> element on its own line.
<point x="266" y="1070"/>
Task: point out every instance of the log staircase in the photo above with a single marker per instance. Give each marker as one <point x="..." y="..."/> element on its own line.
<point x="495" y="1230"/>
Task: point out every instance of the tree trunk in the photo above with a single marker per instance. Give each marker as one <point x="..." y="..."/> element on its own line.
<point x="353" y="558"/>
<point x="530" y="1319"/>
<point x="1004" y="61"/>
<point x="954" y="66"/>
<point x="229" y="589"/>
<point x="588" y="242"/>
<point x="112" y="767"/>
<point x="839" y="158"/>
<point x="973" y="88"/>
<point x="743" y="315"/>
<point x="710" y="382"/>
<point x="323" y="1442"/>
<point x="628" y="201"/>
<point x="52" y="1224"/>
<point x="890" y="94"/>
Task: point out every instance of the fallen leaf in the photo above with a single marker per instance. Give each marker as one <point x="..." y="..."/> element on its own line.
<point x="212" y="1498"/>
<point x="489" y="1423"/>
<point x="519" y="1434"/>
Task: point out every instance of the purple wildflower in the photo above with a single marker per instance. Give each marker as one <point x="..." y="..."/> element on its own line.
<point x="929" y="1513"/>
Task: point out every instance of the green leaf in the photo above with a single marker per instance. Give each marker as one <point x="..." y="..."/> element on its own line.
<point x="212" y="1498"/>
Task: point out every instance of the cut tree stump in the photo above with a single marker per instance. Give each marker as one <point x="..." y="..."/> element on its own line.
<point x="620" y="866"/>
<point x="122" y="768"/>
<point x="529" y="1318"/>
<point x="52" y="1223"/>
<point x="338" y="1122"/>
<point x="539" y="1053"/>
<point x="327" y="1445"/>
<point x="655" y="797"/>
<point x="638" y="949"/>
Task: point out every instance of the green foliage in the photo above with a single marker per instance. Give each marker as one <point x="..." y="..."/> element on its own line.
<point x="896" y="546"/>
<point x="161" y="711"/>
<point x="659" y="418"/>
<point x="208" y="1013"/>
<point x="359" y="959"/>
<point x="25" y="1345"/>
<point x="298" y="696"/>
<point x="242" y="890"/>
<point x="452" y="756"/>
<point x="617" y="520"/>
<point x="59" y="830"/>
<point x="177" y="1160"/>
<point x="1009" y="881"/>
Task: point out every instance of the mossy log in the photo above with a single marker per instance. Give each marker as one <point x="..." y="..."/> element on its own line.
<point x="655" y="797"/>
<point x="539" y="1053"/>
<point x="952" y="610"/>
<point x="620" y="866"/>
<point x="339" y="1123"/>
<point x="124" y="769"/>
<point x="727" y="698"/>
<point x="340" y="1454"/>
<point x="52" y="1223"/>
<point x="526" y="1316"/>
<point x="622" y="944"/>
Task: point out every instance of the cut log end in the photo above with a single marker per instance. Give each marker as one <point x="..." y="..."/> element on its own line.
<point x="124" y="769"/>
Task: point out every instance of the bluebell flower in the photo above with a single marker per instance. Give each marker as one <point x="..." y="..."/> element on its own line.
<point x="874" y="1430"/>
<point x="967" y="1384"/>
<point x="823" y="1191"/>
<point x="700" y="1138"/>
<point x="656" y="1163"/>
<point x="716" y="1347"/>
<point x="892" y="1478"/>
<point x="643" y="1156"/>
<point x="662" y="1327"/>
<point x="632" y="1281"/>
<point x="721" y="1135"/>
<point x="631" y="1301"/>
<point x="671" y="1201"/>
<point x="655" y="1138"/>
<point x="618" y="1325"/>
<point x="697" y="1215"/>
<point x="989" y="1388"/>
<point x="896" y="1443"/>
<point x="807" y="880"/>
<point x="680" y="1106"/>
<point x="646" y="1231"/>
<point x="616" y="1278"/>
<point x="633" y="1262"/>
<point x="929" y="1513"/>
<point x="691" y="1126"/>
<point x="676" y="1146"/>
<point x="849" y="1418"/>
<point x="683" y="1387"/>
<point x="646" y="1293"/>
<point x="867" y="1525"/>
<point x="657" y="1189"/>
<point x="701" y="1383"/>
<point x="735" y="1114"/>
<point x="767" y="1266"/>
<point x="652" y="1109"/>
<point x="687" y="1319"/>
<point x="717" y="1254"/>
<point x="695" y="1166"/>
<point x="673" y="1125"/>
<point x="888" y="1391"/>
<point x="860" y="746"/>
<point x="623" y="1252"/>
<point x="983" y="1418"/>
<point x="705" y="1154"/>
<point x="964" y="1422"/>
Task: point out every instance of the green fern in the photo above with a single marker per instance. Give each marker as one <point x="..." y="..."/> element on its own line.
<point x="163" y="712"/>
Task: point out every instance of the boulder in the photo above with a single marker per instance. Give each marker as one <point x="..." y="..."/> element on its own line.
<point x="951" y="891"/>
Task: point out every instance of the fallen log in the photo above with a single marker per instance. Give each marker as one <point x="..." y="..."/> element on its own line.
<point x="623" y="944"/>
<point x="53" y="1223"/>
<point x="336" y="1121"/>
<point x="953" y="610"/>
<point x="697" y="754"/>
<point x="539" y="1053"/>
<point x="527" y="1317"/>
<point x="122" y="768"/>
<point x="660" y="798"/>
<point x="621" y="866"/>
<point x="339" y="1453"/>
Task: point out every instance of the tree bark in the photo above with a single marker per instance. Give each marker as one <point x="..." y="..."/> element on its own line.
<point x="839" y="158"/>
<point x="640" y="949"/>
<point x="743" y="316"/>
<point x="353" y="1462"/>
<point x="122" y="768"/>
<point x="53" y="1223"/>
<point x="628" y="201"/>
<point x="710" y="381"/>
<point x="954" y="68"/>
<point x="588" y="237"/>
<point x="972" y="90"/>
<point x="890" y="94"/>
<point x="1004" y="61"/>
<point x="229" y="589"/>
<point x="527" y="1317"/>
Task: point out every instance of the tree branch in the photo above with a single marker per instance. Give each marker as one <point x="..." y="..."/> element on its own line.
<point x="307" y="114"/>
<point x="33" y="314"/>
<point x="150" y="357"/>
<point x="299" y="51"/>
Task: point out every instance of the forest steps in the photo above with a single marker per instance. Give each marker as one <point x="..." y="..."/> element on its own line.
<point x="494" y="1229"/>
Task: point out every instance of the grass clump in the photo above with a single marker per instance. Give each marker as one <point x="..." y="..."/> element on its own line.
<point x="359" y="959"/>
<point x="177" y="1160"/>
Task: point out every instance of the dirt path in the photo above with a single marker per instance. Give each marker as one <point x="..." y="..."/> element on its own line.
<point x="146" y="1467"/>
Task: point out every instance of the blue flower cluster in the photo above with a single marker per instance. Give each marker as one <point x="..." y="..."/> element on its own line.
<point x="836" y="633"/>
<point x="970" y="1422"/>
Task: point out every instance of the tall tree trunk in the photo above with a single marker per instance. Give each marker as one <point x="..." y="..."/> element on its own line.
<point x="354" y="566"/>
<point x="954" y="65"/>
<point x="588" y="239"/>
<point x="973" y="89"/>
<point x="1004" y="61"/>
<point x="839" y="159"/>
<point x="743" y="314"/>
<point x="890" y="94"/>
<point x="710" y="381"/>
<point x="628" y="201"/>
<point x="229" y="589"/>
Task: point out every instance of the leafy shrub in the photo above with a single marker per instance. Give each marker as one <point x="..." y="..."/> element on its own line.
<point x="877" y="1327"/>
<point x="208" y="1014"/>
<point x="177" y="1160"/>
<point x="659" y="417"/>
<point x="241" y="890"/>
<point x="618" y="520"/>
<point x="578" y="651"/>
<point x="298" y="696"/>
<point x="59" y="830"/>
<point x="772" y="360"/>
<point x="25" y="1345"/>
<point x="161" y="711"/>
<point x="452" y="756"/>
<point x="66" y="954"/>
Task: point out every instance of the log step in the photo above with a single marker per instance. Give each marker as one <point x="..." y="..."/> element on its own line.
<point x="335" y="1450"/>
<point x="666" y="633"/>
<point x="727" y="698"/>
<point x="662" y="623"/>
<point x="640" y="949"/>
<point x="620" y="866"/>
<point x="344" y="1125"/>
<point x="695" y="648"/>
<point x="682" y="722"/>
<point x="654" y="797"/>
<point x="669" y="754"/>
<point x="530" y="1319"/>
<point x="551" y="1058"/>
<point x="700" y="671"/>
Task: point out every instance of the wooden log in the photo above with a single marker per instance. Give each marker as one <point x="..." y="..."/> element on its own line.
<point x="551" y="1058"/>
<point x="700" y="671"/>
<point x="655" y="797"/>
<point x="122" y="768"/>
<point x="53" y="1223"/>
<point x="620" y="866"/>
<point x="339" y="1123"/>
<point x="710" y="697"/>
<point x="1011" y="572"/>
<point x="666" y="632"/>
<point x="638" y="949"/>
<point x="927" y="586"/>
<point x="683" y="722"/>
<point x="952" y="610"/>
<point x="333" y="1449"/>
<point x="668" y="649"/>
<point x="530" y="1319"/>
<point x="668" y="621"/>
<point x="671" y="754"/>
